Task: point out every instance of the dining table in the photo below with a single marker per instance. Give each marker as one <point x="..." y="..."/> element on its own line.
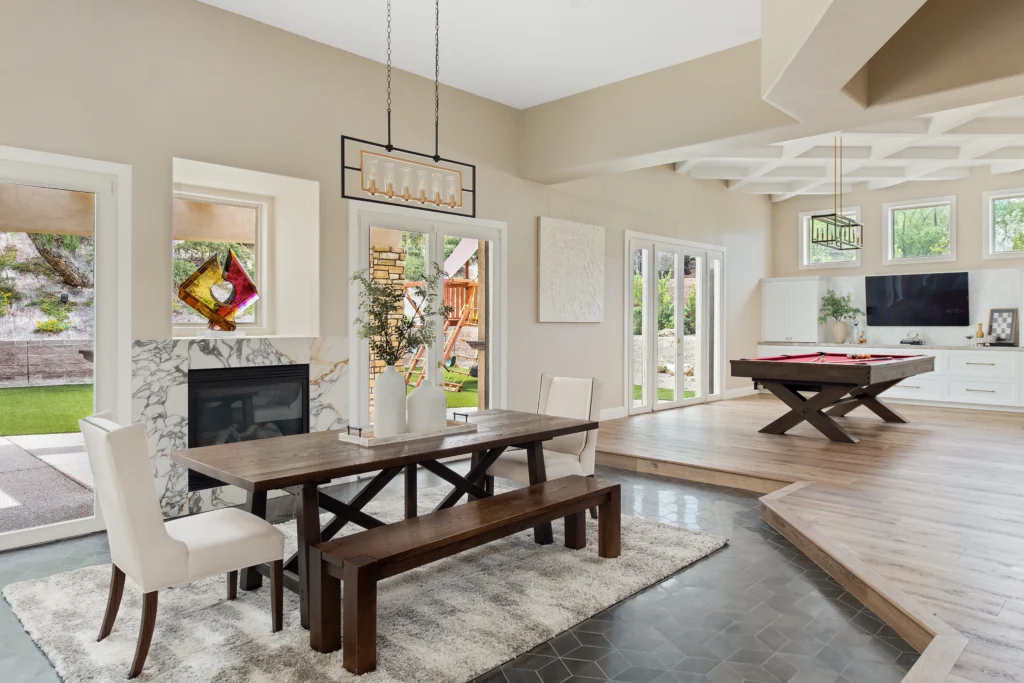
<point x="301" y="464"/>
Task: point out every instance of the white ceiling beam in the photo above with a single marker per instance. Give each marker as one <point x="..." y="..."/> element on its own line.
<point x="992" y="125"/>
<point x="849" y="152"/>
<point x="685" y="166"/>
<point x="1007" y="167"/>
<point x="923" y="153"/>
<point x="719" y="172"/>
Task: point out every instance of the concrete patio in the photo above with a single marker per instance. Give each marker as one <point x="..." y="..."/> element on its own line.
<point x="44" y="479"/>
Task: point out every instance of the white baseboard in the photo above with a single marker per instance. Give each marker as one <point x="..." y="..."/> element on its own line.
<point x="740" y="393"/>
<point x="612" y="413"/>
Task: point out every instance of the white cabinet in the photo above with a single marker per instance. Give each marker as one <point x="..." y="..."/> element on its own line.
<point x="789" y="310"/>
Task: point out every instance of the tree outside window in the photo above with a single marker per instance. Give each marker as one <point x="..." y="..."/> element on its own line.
<point x="1008" y="224"/>
<point x="920" y="232"/>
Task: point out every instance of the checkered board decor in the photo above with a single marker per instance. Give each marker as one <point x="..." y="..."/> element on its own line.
<point x="1003" y="324"/>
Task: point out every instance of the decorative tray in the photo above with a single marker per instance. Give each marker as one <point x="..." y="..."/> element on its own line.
<point x="365" y="437"/>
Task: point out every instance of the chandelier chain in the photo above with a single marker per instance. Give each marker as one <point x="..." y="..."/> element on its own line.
<point x="389" y="145"/>
<point x="437" y="78"/>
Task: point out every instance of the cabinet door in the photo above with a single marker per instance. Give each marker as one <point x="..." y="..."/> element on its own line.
<point x="775" y="311"/>
<point x="803" y="311"/>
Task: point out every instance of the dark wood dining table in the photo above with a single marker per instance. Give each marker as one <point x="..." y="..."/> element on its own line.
<point x="300" y="464"/>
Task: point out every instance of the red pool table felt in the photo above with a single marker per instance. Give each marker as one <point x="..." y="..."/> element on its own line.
<point x="833" y="358"/>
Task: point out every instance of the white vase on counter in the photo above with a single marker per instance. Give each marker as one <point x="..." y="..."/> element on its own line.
<point x="840" y="331"/>
<point x="428" y="408"/>
<point x="389" y="403"/>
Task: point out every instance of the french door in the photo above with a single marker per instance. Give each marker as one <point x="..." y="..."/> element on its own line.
<point x="467" y="358"/>
<point x="674" y="337"/>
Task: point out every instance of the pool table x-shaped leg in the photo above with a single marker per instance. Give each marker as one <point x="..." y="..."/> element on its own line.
<point x="813" y="411"/>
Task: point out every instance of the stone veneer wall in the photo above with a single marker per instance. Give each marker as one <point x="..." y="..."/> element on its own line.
<point x="387" y="264"/>
<point x="160" y="399"/>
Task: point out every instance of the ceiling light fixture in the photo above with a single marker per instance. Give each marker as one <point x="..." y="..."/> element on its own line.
<point x="836" y="230"/>
<point x="386" y="174"/>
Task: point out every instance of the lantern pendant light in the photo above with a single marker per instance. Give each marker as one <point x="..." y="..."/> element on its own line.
<point x="836" y="230"/>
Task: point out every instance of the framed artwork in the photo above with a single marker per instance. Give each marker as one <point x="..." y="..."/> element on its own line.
<point x="1002" y="324"/>
<point x="571" y="272"/>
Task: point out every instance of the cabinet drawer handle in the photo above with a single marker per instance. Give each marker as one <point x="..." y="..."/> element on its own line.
<point x="910" y="386"/>
<point x="983" y="391"/>
<point x="973" y="363"/>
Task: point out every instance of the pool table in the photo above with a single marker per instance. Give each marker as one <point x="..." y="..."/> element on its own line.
<point x="839" y="384"/>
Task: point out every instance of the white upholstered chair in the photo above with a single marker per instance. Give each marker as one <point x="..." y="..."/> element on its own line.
<point x="155" y="554"/>
<point x="564" y="455"/>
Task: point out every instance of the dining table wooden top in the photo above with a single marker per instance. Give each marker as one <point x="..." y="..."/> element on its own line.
<point x="319" y="457"/>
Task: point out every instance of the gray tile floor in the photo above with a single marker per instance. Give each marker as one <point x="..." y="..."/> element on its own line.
<point x="755" y="611"/>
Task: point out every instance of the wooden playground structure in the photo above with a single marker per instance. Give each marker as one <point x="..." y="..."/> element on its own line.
<point x="460" y="296"/>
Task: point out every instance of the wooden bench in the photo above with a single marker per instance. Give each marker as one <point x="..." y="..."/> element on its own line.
<point x="363" y="559"/>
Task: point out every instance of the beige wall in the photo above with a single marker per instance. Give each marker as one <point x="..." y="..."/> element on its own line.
<point x="158" y="79"/>
<point x="970" y="232"/>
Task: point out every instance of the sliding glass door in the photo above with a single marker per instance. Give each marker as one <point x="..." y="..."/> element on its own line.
<point x="674" y="342"/>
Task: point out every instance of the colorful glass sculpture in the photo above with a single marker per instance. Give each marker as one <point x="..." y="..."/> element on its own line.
<point x="219" y="292"/>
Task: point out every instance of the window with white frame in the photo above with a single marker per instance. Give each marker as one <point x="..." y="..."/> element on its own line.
<point x="920" y="230"/>
<point x="1003" y="221"/>
<point x="819" y="256"/>
<point x="207" y="226"/>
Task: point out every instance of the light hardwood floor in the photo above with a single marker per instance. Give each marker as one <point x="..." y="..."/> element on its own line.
<point x="925" y="520"/>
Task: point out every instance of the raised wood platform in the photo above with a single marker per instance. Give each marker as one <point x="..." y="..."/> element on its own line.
<point x="924" y="521"/>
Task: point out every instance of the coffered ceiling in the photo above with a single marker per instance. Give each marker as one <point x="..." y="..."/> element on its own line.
<point x="520" y="52"/>
<point x="942" y="146"/>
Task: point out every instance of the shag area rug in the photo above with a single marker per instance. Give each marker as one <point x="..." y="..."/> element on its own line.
<point x="449" y="621"/>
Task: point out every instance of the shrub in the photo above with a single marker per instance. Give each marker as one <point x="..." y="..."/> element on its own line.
<point x="51" y="326"/>
<point x="53" y="307"/>
<point x="5" y="304"/>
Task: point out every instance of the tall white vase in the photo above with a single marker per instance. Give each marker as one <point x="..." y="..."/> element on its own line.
<point x="389" y="403"/>
<point x="428" y="408"/>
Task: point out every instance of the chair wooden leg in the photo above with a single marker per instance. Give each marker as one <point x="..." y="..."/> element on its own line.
<point x="113" y="601"/>
<point x="576" y="531"/>
<point x="145" y="633"/>
<point x="324" y="606"/>
<point x="609" y="525"/>
<point x="359" y="654"/>
<point x="232" y="585"/>
<point x="276" y="595"/>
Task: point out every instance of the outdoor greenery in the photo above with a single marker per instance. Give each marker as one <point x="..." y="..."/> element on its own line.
<point x="666" y="307"/>
<point x="469" y="397"/>
<point x="5" y="303"/>
<point x="59" y="315"/>
<point x="189" y="255"/>
<point x="920" y="231"/>
<point x="1008" y="223"/>
<point x="664" y="393"/>
<point x="838" y="308"/>
<point x="382" y="322"/>
<point x="44" y="410"/>
<point x="415" y="243"/>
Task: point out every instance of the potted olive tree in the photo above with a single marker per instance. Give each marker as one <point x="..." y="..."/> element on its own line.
<point x="839" y="310"/>
<point x="392" y="334"/>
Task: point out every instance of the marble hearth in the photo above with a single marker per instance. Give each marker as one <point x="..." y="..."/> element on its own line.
<point x="160" y="399"/>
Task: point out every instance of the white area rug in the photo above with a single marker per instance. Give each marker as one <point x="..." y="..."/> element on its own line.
<point x="448" y="621"/>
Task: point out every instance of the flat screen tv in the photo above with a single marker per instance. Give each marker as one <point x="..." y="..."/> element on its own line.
<point x="928" y="300"/>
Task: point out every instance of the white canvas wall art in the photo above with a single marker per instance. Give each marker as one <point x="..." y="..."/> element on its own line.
<point x="571" y="267"/>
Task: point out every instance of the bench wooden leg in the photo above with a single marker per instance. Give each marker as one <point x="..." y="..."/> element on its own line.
<point x="609" y="522"/>
<point x="576" y="531"/>
<point x="359" y="654"/>
<point x="325" y="606"/>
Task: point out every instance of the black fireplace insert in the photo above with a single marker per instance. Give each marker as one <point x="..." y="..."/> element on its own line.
<point x="231" y="405"/>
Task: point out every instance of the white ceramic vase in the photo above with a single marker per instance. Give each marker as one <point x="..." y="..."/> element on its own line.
<point x="839" y="331"/>
<point x="428" y="408"/>
<point x="389" y="403"/>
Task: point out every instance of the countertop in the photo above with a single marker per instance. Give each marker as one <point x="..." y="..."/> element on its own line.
<point x="904" y="347"/>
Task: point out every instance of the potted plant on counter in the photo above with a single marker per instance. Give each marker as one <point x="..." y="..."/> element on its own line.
<point x="392" y="334"/>
<point x="839" y="310"/>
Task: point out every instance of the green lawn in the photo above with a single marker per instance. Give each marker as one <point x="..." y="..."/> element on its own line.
<point x="44" y="410"/>
<point x="663" y="394"/>
<point x="467" y="398"/>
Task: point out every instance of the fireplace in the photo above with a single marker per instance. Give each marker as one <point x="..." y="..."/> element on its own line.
<point x="231" y="405"/>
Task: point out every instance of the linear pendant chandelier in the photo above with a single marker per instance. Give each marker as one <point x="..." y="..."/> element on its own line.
<point x="386" y="174"/>
<point x="836" y="230"/>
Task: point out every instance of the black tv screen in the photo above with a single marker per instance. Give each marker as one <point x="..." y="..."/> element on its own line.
<point x="929" y="300"/>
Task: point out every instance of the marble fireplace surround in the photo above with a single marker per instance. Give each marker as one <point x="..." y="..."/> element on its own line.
<point x="160" y="399"/>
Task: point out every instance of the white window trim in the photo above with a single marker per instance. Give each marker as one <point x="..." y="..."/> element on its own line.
<point x="987" y="199"/>
<point x="804" y="240"/>
<point x="263" y="326"/>
<point x="887" y="209"/>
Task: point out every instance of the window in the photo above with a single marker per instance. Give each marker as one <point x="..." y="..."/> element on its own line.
<point x="818" y="256"/>
<point x="920" y="231"/>
<point x="1003" y="218"/>
<point x="208" y="226"/>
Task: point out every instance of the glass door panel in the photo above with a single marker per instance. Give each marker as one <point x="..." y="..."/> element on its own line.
<point x="666" y="310"/>
<point x="715" y="321"/>
<point x="639" y="321"/>
<point x="467" y="270"/>
<point x="691" y="327"/>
